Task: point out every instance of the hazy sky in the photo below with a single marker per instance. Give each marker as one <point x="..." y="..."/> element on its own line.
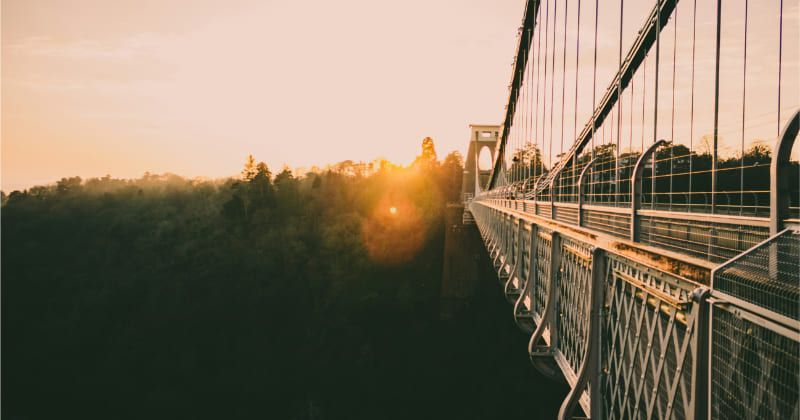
<point x="95" y="87"/>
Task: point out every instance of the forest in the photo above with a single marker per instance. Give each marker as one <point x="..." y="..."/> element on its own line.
<point x="267" y="295"/>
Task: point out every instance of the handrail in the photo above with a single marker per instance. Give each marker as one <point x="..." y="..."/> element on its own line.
<point x="516" y="270"/>
<point x="530" y="281"/>
<point x="548" y="312"/>
<point x="589" y="371"/>
<point x="636" y="186"/>
<point x="693" y="271"/>
<point x="779" y="182"/>
<point x="580" y="189"/>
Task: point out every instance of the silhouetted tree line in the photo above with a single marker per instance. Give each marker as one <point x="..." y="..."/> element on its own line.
<point x="251" y="297"/>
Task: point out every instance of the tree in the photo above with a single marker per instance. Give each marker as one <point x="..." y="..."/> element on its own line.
<point x="452" y="173"/>
<point x="262" y="173"/>
<point x="454" y="159"/>
<point x="178" y="287"/>
<point x="233" y="209"/>
<point x="66" y="185"/>
<point x="259" y="189"/>
<point x="428" y="149"/>
<point x="528" y="159"/>
<point x="427" y="158"/>
<point x="249" y="172"/>
<point x="344" y="167"/>
<point x="284" y="176"/>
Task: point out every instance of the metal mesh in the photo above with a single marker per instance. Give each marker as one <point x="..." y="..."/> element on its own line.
<point x="524" y="263"/>
<point x="567" y="214"/>
<point x="648" y="353"/>
<point x="544" y="245"/>
<point x="649" y="350"/>
<point x="768" y="276"/>
<point x="754" y="371"/>
<point x="506" y="251"/>
<point x="544" y="209"/>
<point x="566" y="186"/>
<point x="714" y="241"/>
<point x="680" y="175"/>
<point x="509" y="252"/>
<point x="698" y="235"/>
<point x="520" y="252"/>
<point x="608" y="180"/>
<point x="573" y="298"/>
<point x="611" y="223"/>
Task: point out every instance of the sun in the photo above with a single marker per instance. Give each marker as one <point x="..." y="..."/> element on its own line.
<point x="393" y="210"/>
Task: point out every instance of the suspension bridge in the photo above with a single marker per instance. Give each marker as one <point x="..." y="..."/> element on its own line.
<point x="640" y="205"/>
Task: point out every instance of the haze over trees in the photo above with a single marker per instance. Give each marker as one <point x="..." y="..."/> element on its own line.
<point x="270" y="295"/>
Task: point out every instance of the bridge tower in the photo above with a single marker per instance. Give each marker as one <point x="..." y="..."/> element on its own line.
<point x="475" y="177"/>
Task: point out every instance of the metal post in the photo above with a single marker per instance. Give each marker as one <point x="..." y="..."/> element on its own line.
<point x="555" y="266"/>
<point x="779" y="182"/>
<point x="709" y="330"/>
<point x="498" y="234"/>
<point x="580" y="190"/>
<point x="502" y="256"/>
<point x="591" y="370"/>
<point x="779" y="186"/>
<point x="529" y="280"/>
<point x="553" y="198"/>
<point x="518" y="260"/>
<point x="596" y="332"/>
<point x="550" y="311"/>
<point x="503" y="239"/>
<point x="534" y="242"/>
<point x="636" y="187"/>
<point x="701" y="341"/>
<point x="516" y="271"/>
<point x="492" y="234"/>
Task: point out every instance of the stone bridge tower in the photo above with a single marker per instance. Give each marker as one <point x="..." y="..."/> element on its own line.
<point x="475" y="177"/>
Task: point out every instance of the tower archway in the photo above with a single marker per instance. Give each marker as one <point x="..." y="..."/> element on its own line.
<point x="479" y="158"/>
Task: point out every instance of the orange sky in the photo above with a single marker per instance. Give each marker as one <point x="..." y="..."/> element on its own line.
<point x="95" y="87"/>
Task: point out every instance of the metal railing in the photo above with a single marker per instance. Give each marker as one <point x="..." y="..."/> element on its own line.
<point x="714" y="237"/>
<point x="604" y="236"/>
<point x="755" y="332"/>
<point x="602" y="317"/>
<point x="633" y="339"/>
